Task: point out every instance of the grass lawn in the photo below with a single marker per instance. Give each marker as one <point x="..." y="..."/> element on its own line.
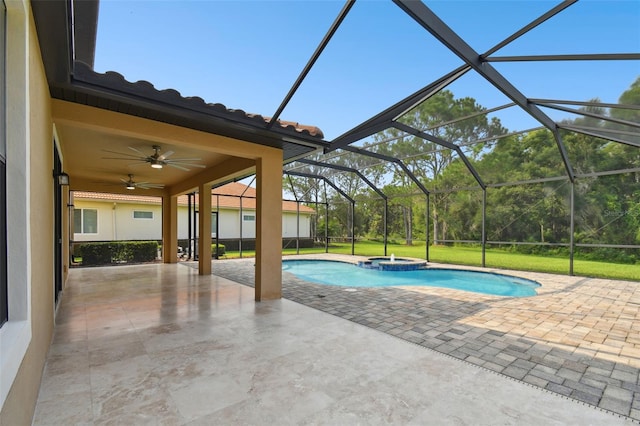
<point x="473" y="256"/>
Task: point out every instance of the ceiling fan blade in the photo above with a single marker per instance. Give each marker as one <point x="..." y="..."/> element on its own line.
<point x="137" y="150"/>
<point x="124" y="180"/>
<point x="150" y="185"/>
<point x="165" y="155"/>
<point x="178" y="167"/>
<point x="119" y="158"/>
<point x="183" y="159"/>
<point x="201" y="166"/>
<point x="121" y="153"/>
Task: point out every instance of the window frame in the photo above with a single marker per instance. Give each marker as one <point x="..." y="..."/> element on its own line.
<point x="143" y="211"/>
<point x="81" y="229"/>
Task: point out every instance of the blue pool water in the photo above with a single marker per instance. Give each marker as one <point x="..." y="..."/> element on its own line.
<point x="349" y="275"/>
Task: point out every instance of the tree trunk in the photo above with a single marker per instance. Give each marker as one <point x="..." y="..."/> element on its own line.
<point x="444" y="230"/>
<point x="408" y="224"/>
<point x="435" y="226"/>
<point x="444" y="226"/>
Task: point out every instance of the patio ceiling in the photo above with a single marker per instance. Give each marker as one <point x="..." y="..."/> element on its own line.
<point x="520" y="70"/>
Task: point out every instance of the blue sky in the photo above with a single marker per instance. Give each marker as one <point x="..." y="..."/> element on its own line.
<point x="247" y="54"/>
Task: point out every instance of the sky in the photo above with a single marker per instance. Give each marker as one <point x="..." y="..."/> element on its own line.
<point x="247" y="54"/>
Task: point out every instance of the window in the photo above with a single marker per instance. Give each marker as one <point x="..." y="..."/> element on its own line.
<point x="85" y="221"/>
<point x="138" y="214"/>
<point x="249" y="218"/>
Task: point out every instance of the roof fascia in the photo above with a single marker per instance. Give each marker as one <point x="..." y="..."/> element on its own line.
<point x="53" y="26"/>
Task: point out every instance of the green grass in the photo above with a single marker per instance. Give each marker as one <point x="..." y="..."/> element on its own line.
<point x="473" y="256"/>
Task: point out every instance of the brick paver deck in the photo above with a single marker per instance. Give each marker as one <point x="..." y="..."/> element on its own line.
<point x="579" y="337"/>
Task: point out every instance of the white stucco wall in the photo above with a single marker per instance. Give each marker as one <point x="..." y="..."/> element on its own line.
<point x="290" y="225"/>
<point x="116" y="222"/>
<point x="127" y="227"/>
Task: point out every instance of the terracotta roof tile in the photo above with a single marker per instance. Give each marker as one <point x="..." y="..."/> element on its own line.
<point x="116" y="81"/>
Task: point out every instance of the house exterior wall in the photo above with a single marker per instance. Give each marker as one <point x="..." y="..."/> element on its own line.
<point x="25" y="338"/>
<point x="290" y="225"/>
<point x="228" y="224"/>
<point x="126" y="224"/>
<point x="116" y="222"/>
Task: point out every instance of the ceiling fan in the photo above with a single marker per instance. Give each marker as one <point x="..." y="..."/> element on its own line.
<point x="157" y="160"/>
<point x="130" y="184"/>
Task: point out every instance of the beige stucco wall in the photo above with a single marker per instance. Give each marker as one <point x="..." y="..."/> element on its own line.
<point x="35" y="117"/>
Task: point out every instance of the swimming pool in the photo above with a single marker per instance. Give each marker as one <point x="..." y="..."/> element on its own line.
<point x="349" y="275"/>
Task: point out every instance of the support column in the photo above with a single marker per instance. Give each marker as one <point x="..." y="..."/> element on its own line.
<point x="297" y="227"/>
<point x="386" y="214"/>
<point x="190" y="205"/>
<point x="572" y="229"/>
<point x="353" y="229"/>
<point x="427" y="224"/>
<point x="484" y="227"/>
<point x="326" y="227"/>
<point x="204" y="229"/>
<point x="268" y="282"/>
<point x="169" y="229"/>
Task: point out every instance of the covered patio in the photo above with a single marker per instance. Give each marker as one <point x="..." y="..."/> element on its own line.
<point x="161" y="344"/>
<point x="244" y="342"/>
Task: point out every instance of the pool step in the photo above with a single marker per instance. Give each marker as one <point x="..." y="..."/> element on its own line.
<point x="395" y="265"/>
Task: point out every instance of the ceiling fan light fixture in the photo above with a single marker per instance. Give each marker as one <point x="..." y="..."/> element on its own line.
<point x="130" y="186"/>
<point x="156" y="160"/>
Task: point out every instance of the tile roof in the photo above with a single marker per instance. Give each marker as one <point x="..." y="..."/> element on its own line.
<point x="227" y="195"/>
<point x="116" y="81"/>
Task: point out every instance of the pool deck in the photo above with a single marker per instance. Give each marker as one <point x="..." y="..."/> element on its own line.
<point x="579" y="337"/>
<point x="159" y="344"/>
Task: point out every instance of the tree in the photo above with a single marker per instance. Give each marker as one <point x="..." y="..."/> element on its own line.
<point x="427" y="160"/>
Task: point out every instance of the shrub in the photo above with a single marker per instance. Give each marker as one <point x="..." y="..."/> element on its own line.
<point x="96" y="253"/>
<point x="139" y="251"/>
<point x="117" y="252"/>
<point x="221" y="250"/>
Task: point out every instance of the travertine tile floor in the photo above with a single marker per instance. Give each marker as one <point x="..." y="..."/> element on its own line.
<point x="578" y="337"/>
<point x="158" y="344"/>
